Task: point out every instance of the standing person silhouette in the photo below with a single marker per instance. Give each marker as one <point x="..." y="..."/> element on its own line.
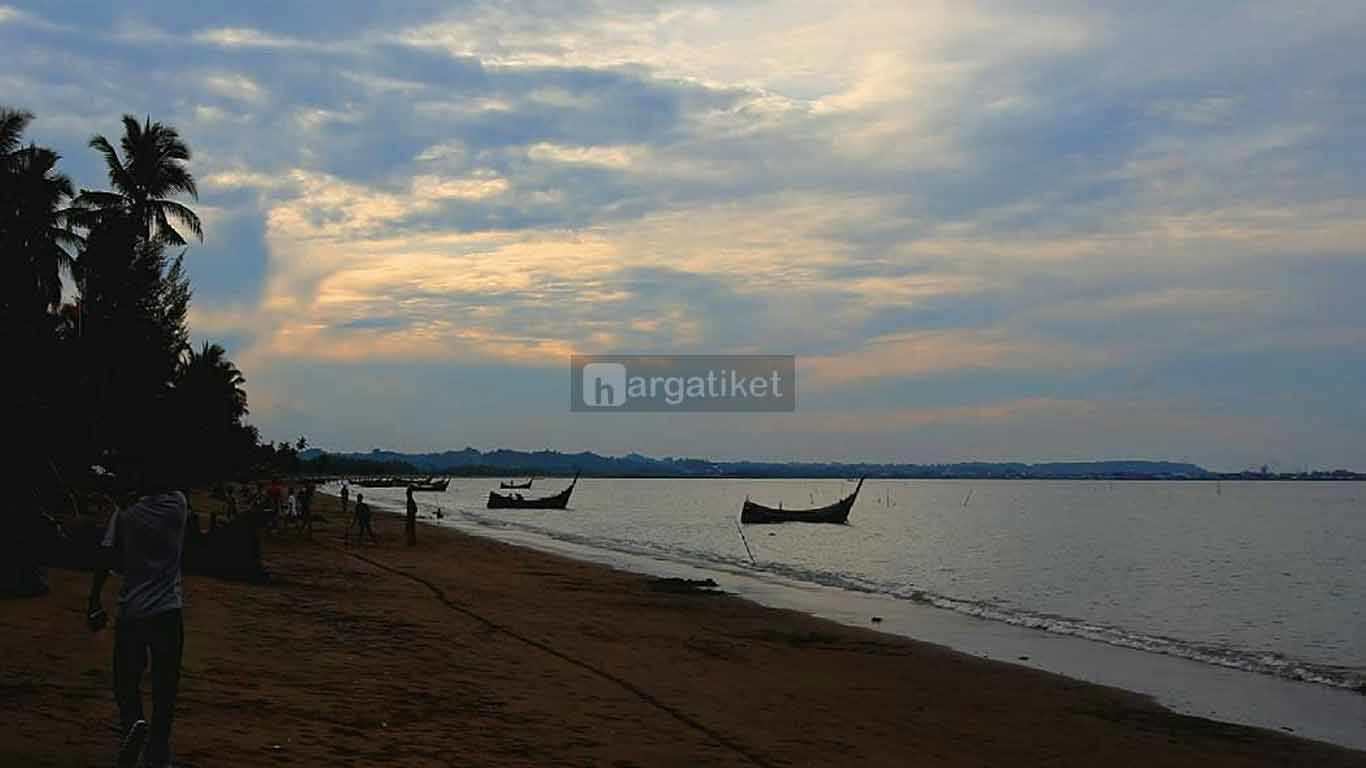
<point x="145" y="542"/>
<point x="275" y="492"/>
<point x="306" y="508"/>
<point x="410" y="525"/>
<point x="363" y="521"/>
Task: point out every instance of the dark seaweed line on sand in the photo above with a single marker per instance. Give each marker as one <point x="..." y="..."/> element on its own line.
<point x="642" y="694"/>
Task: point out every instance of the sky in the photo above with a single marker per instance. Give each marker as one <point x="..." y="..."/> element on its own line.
<point x="987" y="230"/>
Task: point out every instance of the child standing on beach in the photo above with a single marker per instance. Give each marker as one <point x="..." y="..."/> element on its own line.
<point x="363" y="521"/>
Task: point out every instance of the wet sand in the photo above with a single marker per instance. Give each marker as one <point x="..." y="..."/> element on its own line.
<point x="465" y="651"/>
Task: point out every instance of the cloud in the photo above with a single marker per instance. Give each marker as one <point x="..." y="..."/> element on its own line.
<point x="935" y="352"/>
<point x="617" y="157"/>
<point x="972" y="220"/>
<point x="19" y="17"/>
<point x="247" y="37"/>
<point x="235" y="86"/>
<point x="240" y="179"/>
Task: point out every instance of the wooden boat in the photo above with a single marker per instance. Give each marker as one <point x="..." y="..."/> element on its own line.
<point x="518" y="486"/>
<point x="838" y="512"/>
<point x="381" y="482"/>
<point x="431" y="485"/>
<point x="515" y="500"/>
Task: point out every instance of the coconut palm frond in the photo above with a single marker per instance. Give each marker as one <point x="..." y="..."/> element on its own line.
<point x="13" y="123"/>
<point x="182" y="214"/>
<point x="119" y="176"/>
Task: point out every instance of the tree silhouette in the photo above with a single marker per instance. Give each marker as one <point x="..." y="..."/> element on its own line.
<point x="35" y="235"/>
<point x="134" y="301"/>
<point x="151" y="171"/>
<point x="110" y="378"/>
<point x="34" y="229"/>
<point x="211" y="405"/>
<point x="213" y="384"/>
<point x="13" y="123"/>
<point x="34" y="238"/>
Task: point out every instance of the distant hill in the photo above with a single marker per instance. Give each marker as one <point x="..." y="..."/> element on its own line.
<point x="471" y="461"/>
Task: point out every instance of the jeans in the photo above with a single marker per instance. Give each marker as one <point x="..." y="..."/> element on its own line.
<point x="162" y="639"/>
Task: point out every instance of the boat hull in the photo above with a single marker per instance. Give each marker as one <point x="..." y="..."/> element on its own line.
<point x="837" y="513"/>
<point x="507" y="501"/>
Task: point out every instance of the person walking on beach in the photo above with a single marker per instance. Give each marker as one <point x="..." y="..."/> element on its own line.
<point x="363" y="521"/>
<point x="345" y="497"/>
<point x="145" y="543"/>
<point x="410" y="525"/>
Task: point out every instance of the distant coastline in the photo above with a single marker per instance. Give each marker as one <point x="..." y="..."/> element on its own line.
<point x="472" y="462"/>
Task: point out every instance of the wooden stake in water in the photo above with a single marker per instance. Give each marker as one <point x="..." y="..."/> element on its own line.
<point x="741" y="528"/>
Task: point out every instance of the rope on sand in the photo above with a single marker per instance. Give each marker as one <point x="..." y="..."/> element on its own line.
<point x="639" y="692"/>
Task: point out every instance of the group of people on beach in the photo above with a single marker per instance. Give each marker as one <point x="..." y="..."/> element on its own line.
<point x="146" y="542"/>
<point x="274" y="504"/>
<point x="290" y="507"/>
<point x="361" y="518"/>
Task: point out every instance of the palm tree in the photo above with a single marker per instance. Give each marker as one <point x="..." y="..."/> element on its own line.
<point x="38" y="231"/>
<point x="34" y="226"/>
<point x="34" y="238"/>
<point x="210" y="407"/>
<point x="13" y="123"/>
<point x="151" y="171"/>
<point x="212" y="384"/>
<point x="132" y="327"/>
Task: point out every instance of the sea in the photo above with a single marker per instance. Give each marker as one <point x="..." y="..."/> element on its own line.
<point x="1243" y="601"/>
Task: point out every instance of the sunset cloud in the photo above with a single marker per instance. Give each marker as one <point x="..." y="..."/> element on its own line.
<point x="978" y="223"/>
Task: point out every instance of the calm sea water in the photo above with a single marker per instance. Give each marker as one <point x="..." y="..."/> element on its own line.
<point x="1268" y="577"/>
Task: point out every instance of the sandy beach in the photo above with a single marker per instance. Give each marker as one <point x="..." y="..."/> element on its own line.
<point x="464" y="651"/>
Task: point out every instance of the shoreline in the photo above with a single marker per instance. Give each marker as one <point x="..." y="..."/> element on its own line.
<point x="1188" y="686"/>
<point x="500" y="474"/>
<point x="468" y="650"/>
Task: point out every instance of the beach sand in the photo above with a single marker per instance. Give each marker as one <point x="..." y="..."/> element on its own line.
<point x="465" y="651"/>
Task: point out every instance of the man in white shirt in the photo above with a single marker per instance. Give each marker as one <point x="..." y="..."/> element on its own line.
<point x="145" y="542"/>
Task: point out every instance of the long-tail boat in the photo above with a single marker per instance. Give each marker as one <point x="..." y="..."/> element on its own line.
<point x="515" y="500"/>
<point x="752" y="513"/>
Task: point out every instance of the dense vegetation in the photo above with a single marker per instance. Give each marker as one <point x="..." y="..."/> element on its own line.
<point x="94" y="295"/>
